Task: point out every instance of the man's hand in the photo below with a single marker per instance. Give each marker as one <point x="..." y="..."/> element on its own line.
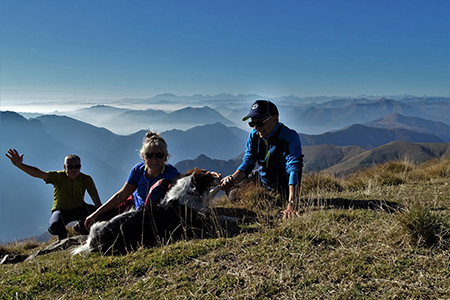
<point x="14" y="156"/>
<point x="231" y="180"/>
<point x="289" y="212"/>
<point x="227" y="182"/>
<point x="17" y="160"/>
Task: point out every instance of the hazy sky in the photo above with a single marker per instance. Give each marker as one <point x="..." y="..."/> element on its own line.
<point x="76" y="50"/>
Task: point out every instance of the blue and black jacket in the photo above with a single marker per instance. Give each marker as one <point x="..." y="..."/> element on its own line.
<point x="279" y="157"/>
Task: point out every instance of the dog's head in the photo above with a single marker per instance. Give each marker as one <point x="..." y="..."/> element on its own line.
<point x="193" y="189"/>
<point x="202" y="180"/>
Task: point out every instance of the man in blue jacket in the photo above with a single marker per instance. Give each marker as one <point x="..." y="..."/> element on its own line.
<point x="278" y="152"/>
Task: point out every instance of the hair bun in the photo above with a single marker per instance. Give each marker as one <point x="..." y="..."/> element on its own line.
<point x="151" y="134"/>
<point x="153" y="139"/>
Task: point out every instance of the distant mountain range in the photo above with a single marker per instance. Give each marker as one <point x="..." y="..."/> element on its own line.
<point x="126" y="121"/>
<point x="414" y="124"/>
<point x="368" y="137"/>
<point x="386" y="130"/>
<point x="212" y="140"/>
<point x="297" y="113"/>
<point x="340" y="113"/>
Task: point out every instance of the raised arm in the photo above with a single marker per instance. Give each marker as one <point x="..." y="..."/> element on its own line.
<point x="17" y="160"/>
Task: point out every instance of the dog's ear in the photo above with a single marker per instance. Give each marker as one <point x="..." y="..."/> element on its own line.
<point x="202" y="180"/>
<point x="190" y="172"/>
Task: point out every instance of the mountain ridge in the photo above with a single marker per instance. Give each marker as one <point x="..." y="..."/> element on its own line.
<point x="399" y="121"/>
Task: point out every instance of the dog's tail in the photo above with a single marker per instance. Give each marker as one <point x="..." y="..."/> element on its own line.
<point x="87" y="246"/>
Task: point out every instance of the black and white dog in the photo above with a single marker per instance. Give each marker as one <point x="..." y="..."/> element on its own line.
<point x="181" y="214"/>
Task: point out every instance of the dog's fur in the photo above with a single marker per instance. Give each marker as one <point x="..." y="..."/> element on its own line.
<point x="181" y="214"/>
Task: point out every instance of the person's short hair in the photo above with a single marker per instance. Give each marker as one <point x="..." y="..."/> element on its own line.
<point x="261" y="109"/>
<point x="153" y="139"/>
<point x="71" y="157"/>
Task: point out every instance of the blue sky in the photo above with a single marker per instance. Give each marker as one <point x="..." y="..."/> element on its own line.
<point x="77" y="50"/>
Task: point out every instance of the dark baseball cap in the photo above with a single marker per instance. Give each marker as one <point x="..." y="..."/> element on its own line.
<point x="261" y="109"/>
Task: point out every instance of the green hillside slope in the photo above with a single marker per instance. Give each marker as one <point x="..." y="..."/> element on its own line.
<point x="382" y="233"/>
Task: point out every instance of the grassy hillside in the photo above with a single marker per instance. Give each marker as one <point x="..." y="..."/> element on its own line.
<point x="382" y="233"/>
<point x="398" y="150"/>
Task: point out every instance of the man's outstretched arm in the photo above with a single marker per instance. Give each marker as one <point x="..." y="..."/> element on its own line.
<point x="17" y="160"/>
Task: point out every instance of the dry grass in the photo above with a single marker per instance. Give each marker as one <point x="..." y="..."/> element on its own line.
<point x="19" y="247"/>
<point x="382" y="233"/>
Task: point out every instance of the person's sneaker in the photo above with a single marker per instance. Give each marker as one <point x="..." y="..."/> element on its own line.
<point x="79" y="227"/>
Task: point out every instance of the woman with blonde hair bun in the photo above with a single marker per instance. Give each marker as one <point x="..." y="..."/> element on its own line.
<point x="141" y="178"/>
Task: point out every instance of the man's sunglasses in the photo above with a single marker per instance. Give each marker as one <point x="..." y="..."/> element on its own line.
<point x="259" y="123"/>
<point x="70" y="167"/>
<point x="153" y="155"/>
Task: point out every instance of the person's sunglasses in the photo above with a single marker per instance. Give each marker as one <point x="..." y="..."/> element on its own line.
<point x="259" y="123"/>
<point x="153" y="155"/>
<point x="70" y="167"/>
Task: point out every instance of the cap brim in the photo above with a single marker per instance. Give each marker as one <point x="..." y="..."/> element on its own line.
<point x="255" y="116"/>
